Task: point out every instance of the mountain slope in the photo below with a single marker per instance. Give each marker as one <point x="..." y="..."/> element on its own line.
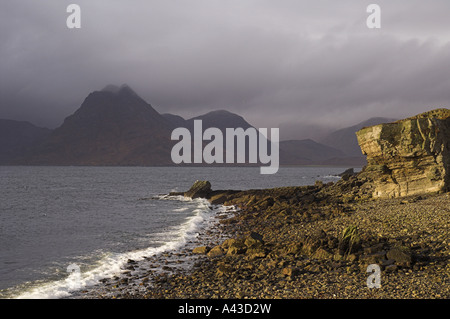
<point x="112" y="127"/>
<point x="307" y="151"/>
<point x="221" y="119"/>
<point x="115" y="126"/>
<point x="175" y="120"/>
<point x="17" y="137"/>
<point x="345" y="139"/>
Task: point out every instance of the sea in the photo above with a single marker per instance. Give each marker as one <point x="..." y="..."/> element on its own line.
<point x="62" y="229"/>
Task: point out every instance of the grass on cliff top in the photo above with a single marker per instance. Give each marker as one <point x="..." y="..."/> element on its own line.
<point x="440" y="114"/>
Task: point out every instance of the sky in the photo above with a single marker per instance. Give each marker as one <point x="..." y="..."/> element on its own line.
<point x="307" y="67"/>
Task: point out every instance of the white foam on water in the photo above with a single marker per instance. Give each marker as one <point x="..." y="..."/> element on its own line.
<point x="112" y="263"/>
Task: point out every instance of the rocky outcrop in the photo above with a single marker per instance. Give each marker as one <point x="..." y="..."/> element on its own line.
<point x="408" y="157"/>
<point x="200" y="189"/>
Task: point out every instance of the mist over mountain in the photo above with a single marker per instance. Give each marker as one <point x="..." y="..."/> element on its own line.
<point x="112" y="127"/>
<point x="115" y="126"/>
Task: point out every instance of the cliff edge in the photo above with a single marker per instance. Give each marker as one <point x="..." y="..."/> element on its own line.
<point x="408" y="157"/>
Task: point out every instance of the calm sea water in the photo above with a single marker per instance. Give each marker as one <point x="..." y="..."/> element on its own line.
<point x="52" y="217"/>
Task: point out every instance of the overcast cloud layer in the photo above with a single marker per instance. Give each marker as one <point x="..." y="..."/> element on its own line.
<point x="298" y="65"/>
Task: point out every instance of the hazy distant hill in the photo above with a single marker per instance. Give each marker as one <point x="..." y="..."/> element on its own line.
<point x="221" y="119"/>
<point x="17" y="137"/>
<point x="306" y="152"/>
<point x="115" y="126"/>
<point x="292" y="152"/>
<point x="345" y="139"/>
<point x="175" y="120"/>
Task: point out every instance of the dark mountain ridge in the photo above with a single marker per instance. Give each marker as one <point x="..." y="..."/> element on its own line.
<point x="115" y="126"/>
<point x="112" y="127"/>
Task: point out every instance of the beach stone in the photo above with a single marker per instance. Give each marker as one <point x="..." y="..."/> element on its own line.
<point x="236" y="248"/>
<point x="224" y="269"/>
<point x="391" y="268"/>
<point x="387" y="262"/>
<point x="290" y="272"/>
<point x="254" y="239"/>
<point x="374" y="258"/>
<point x="218" y="199"/>
<point x="256" y="252"/>
<point x="228" y="242"/>
<point x="217" y="251"/>
<point x="291" y="249"/>
<point x="322" y="254"/>
<point x="401" y="255"/>
<point x="202" y="250"/>
<point x="373" y="249"/>
<point x="349" y="172"/>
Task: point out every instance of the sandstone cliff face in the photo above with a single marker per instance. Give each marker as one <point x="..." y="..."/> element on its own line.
<point x="408" y="157"/>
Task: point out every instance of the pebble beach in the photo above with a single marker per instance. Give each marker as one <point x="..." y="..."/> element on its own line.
<point x="290" y="243"/>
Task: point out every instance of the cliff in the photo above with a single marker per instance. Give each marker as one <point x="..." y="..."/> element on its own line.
<point x="408" y="157"/>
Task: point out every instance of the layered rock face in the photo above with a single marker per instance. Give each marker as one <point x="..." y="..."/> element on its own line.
<point x="408" y="157"/>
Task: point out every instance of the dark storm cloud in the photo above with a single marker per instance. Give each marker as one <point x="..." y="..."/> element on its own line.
<point x="303" y="65"/>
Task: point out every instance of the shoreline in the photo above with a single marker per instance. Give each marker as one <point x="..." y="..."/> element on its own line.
<point x="288" y="243"/>
<point x="138" y="275"/>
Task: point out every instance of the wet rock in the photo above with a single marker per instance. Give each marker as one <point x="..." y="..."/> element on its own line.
<point x="218" y="199"/>
<point x="319" y="184"/>
<point x="200" y="189"/>
<point x="347" y="174"/>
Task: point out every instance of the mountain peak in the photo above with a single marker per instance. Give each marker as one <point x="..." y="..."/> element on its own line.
<point x="124" y="89"/>
<point x="222" y="119"/>
<point x="220" y="112"/>
<point x="111" y="88"/>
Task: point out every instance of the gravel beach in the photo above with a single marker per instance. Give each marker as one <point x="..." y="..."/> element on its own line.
<point x="292" y="243"/>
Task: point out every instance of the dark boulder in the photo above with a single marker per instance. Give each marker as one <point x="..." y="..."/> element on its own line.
<point x="200" y="189"/>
